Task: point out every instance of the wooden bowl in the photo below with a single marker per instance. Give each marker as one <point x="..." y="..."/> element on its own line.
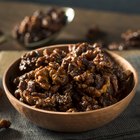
<point x="64" y="121"/>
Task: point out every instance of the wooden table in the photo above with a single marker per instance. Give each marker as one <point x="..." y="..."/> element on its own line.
<point x="112" y="23"/>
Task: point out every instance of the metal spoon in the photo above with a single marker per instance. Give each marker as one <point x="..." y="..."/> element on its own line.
<point x="69" y="13"/>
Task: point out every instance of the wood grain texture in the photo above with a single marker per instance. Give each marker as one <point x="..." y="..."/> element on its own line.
<point x="112" y="23"/>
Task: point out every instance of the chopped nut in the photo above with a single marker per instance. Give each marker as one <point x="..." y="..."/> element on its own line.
<point x="4" y="123"/>
<point x="40" y="25"/>
<point x="83" y="79"/>
<point x="131" y="38"/>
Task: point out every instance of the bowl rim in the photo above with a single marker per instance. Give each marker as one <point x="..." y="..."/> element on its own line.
<point x="9" y="94"/>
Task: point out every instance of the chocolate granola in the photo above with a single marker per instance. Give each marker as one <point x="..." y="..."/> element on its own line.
<point x="40" y="25"/>
<point x="83" y="78"/>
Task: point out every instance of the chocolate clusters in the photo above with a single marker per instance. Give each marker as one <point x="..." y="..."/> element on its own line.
<point x="131" y="38"/>
<point x="83" y="78"/>
<point x="4" y="123"/>
<point x="95" y="33"/>
<point x="40" y="25"/>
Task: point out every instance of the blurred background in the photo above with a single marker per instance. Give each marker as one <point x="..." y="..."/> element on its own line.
<point x="112" y="17"/>
<point x="124" y="6"/>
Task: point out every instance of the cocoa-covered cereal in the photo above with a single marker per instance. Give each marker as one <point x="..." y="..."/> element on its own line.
<point x="83" y="78"/>
<point x="131" y="38"/>
<point x="39" y="26"/>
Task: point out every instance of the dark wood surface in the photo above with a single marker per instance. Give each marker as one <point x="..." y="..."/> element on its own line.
<point x="112" y="23"/>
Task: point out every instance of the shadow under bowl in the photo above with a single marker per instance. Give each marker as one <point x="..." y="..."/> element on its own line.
<point x="64" y="121"/>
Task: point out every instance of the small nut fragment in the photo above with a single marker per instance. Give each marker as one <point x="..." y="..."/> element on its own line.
<point x="4" y="123"/>
<point x="131" y="38"/>
<point x="82" y="79"/>
<point x="39" y="26"/>
<point x="95" y="33"/>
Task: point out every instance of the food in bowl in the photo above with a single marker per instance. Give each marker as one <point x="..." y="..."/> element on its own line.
<point x="41" y="25"/>
<point x="83" y="78"/>
<point x="67" y="121"/>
